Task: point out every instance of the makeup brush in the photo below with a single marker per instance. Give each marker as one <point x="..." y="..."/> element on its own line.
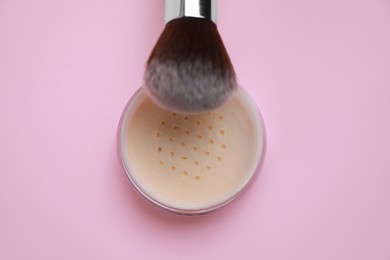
<point x="189" y="69"/>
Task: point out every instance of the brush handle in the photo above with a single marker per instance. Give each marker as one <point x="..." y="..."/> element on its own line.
<point x="206" y="9"/>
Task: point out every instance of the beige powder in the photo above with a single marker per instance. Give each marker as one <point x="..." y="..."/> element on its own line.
<point x="192" y="161"/>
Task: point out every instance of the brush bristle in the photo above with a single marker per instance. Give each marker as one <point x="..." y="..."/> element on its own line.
<point x="189" y="69"/>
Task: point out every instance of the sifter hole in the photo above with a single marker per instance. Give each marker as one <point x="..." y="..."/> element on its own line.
<point x="159" y="149"/>
<point x="219" y="158"/>
<point x="172" y="154"/>
<point x="211" y="141"/>
<point x="163" y="122"/>
<point x="171" y="139"/>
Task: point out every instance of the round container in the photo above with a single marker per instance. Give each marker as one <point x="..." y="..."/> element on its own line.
<point x="191" y="164"/>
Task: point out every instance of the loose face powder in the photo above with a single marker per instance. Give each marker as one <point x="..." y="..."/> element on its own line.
<point x="191" y="164"/>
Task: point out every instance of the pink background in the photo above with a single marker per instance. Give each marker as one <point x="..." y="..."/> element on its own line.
<point x="319" y="71"/>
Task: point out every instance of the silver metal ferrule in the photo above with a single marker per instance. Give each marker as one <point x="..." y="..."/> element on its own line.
<point x="206" y="9"/>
